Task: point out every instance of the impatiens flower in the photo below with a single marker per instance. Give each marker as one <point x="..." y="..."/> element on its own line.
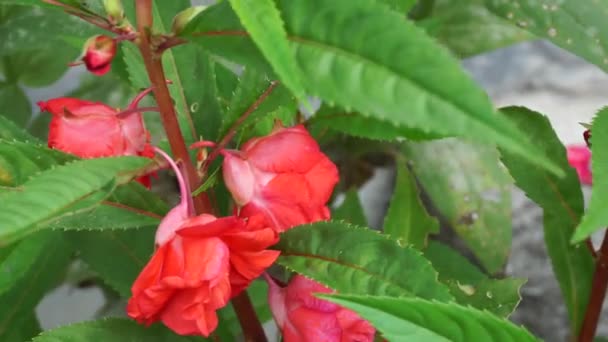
<point x="92" y="129"/>
<point x="579" y="158"/>
<point x="283" y="176"/>
<point x="301" y="317"/>
<point x="201" y="262"/>
<point x="98" y="54"/>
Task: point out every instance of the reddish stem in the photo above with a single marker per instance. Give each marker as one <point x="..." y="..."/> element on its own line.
<point x="165" y="103"/>
<point x="250" y="324"/>
<point x="130" y="111"/>
<point x="248" y="319"/>
<point x="598" y="293"/>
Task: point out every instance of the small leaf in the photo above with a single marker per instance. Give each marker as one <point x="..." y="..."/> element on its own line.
<point x="51" y="194"/>
<point x="112" y="329"/>
<point x="34" y="266"/>
<point x="407" y="220"/>
<point x="368" y="262"/>
<point x="562" y="203"/>
<point x="472" y="287"/>
<point x="596" y="216"/>
<point x="471" y="190"/>
<point x="350" y="210"/>
<point x="401" y="6"/>
<point x="413" y="319"/>
<point x="263" y="22"/>
<point x="575" y="28"/>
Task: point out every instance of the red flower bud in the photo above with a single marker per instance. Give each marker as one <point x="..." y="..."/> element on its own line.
<point x="283" y="176"/>
<point x="579" y="157"/>
<point x="302" y="317"/>
<point x="98" y="54"/>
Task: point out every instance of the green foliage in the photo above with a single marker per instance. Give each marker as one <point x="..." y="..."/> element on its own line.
<point x="562" y="203"/>
<point x="377" y="266"/>
<point x="33" y="267"/>
<point x="472" y="192"/>
<point x="407" y="220"/>
<point x="263" y="22"/>
<point x="468" y="28"/>
<point x="111" y="329"/>
<point x="413" y="319"/>
<point x="358" y="125"/>
<point x="375" y="78"/>
<point x="596" y="216"/>
<point x="580" y="29"/>
<point x="130" y="249"/>
<point x="20" y="160"/>
<point x="350" y="210"/>
<point x="60" y="191"/>
<point x="470" y="286"/>
<point x="401" y="6"/>
<point x="10" y="131"/>
<point x="14" y="103"/>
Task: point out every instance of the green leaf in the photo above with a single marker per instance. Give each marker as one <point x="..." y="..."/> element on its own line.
<point x="350" y="210"/>
<point x="20" y="160"/>
<point x="111" y="329"/>
<point x="368" y="262"/>
<point x="596" y="216"/>
<point x="363" y="126"/>
<point x="468" y="28"/>
<point x="407" y="220"/>
<point x="10" y="131"/>
<point x="580" y="29"/>
<point x="58" y="191"/>
<point x="380" y="77"/>
<point x="131" y="249"/>
<point x="563" y="206"/>
<point x="472" y="287"/>
<point x="28" y="329"/>
<point x="263" y="22"/>
<point x="413" y="319"/>
<point x="401" y="6"/>
<point x="209" y="111"/>
<point x="471" y="190"/>
<point x="253" y="87"/>
<point x="32" y="268"/>
<point x="15" y="104"/>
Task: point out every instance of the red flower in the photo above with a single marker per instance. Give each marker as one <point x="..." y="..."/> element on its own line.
<point x="301" y="317"/>
<point x="283" y="176"/>
<point x="93" y="130"/>
<point x="98" y="54"/>
<point x="204" y="264"/>
<point x="579" y="158"/>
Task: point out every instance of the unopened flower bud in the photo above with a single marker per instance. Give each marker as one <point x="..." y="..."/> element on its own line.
<point x="183" y="18"/>
<point x="115" y="11"/>
<point x="98" y="54"/>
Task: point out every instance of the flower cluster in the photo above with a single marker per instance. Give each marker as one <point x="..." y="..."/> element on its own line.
<point x="202" y="261"/>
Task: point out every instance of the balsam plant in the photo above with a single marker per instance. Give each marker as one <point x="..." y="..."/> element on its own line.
<point x="266" y="112"/>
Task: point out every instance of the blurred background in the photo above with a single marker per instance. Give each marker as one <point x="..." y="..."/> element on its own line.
<point x="513" y="66"/>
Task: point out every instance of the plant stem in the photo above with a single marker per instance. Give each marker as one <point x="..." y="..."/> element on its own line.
<point x="250" y="324"/>
<point x="163" y="99"/>
<point x="598" y="293"/>
<point x="248" y="319"/>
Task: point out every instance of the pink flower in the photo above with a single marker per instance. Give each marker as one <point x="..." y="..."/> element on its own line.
<point x="99" y="51"/>
<point x="283" y="176"/>
<point x="201" y="262"/>
<point x="579" y="157"/>
<point x="93" y="130"/>
<point x="301" y="317"/>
